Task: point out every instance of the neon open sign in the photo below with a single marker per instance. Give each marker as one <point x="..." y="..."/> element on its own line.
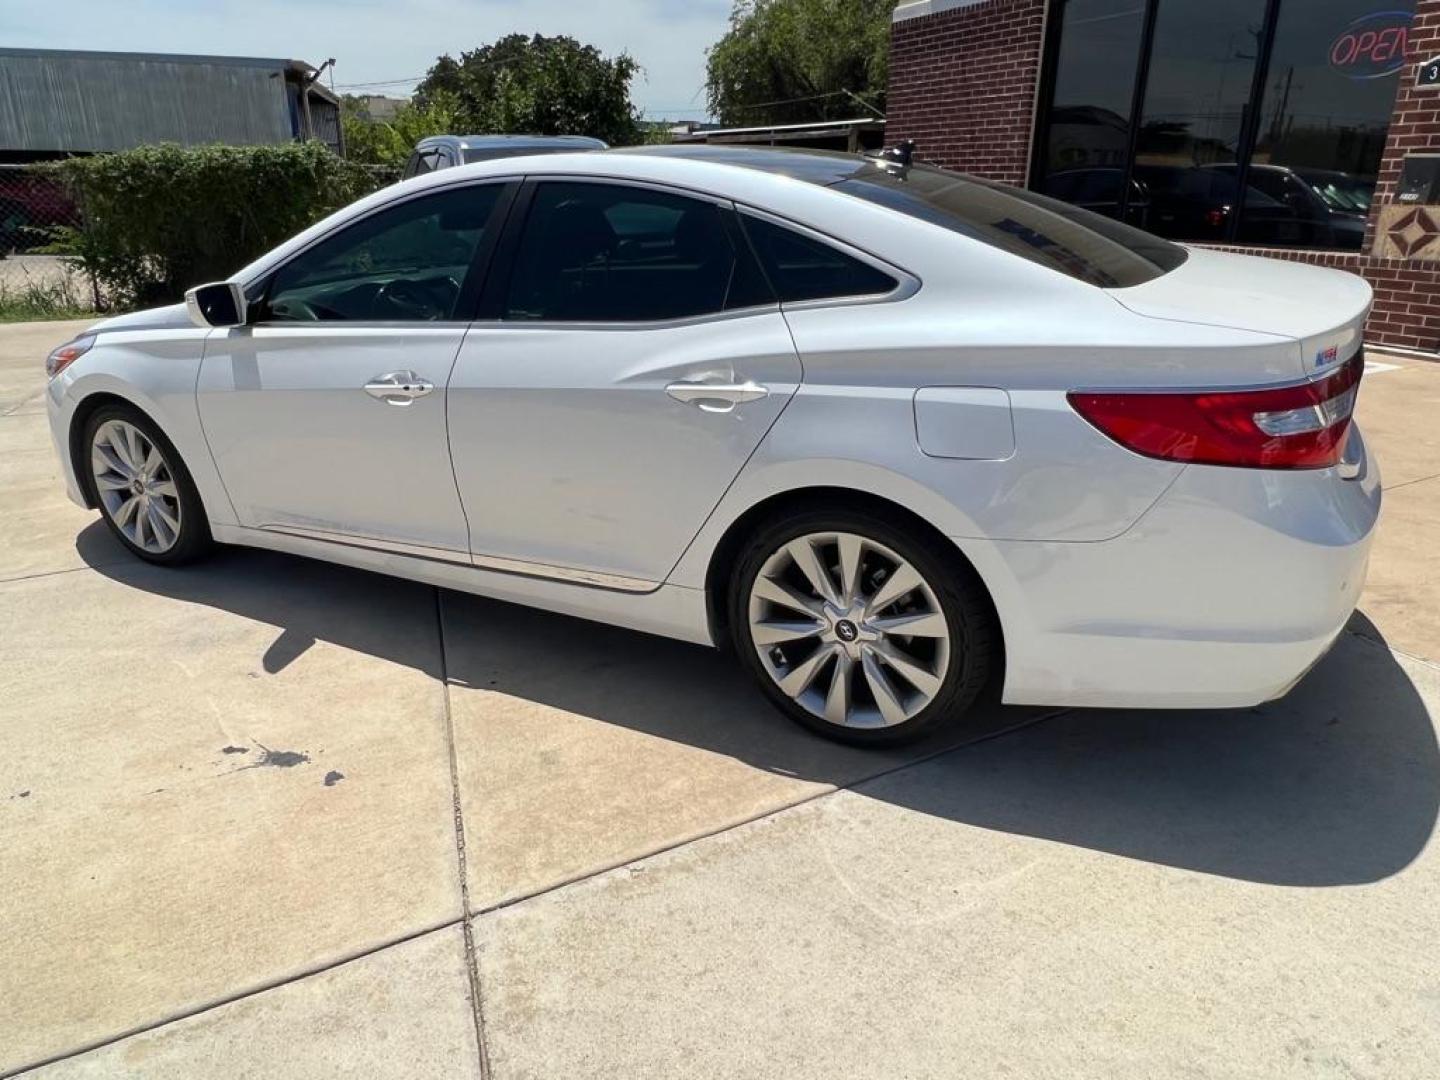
<point x="1373" y="46"/>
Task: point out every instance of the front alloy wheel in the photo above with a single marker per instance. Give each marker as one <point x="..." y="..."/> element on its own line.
<point x="136" y="487"/>
<point x="145" y="493"/>
<point x="860" y="632"/>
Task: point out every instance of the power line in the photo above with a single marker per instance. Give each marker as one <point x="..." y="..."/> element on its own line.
<point x="379" y="82"/>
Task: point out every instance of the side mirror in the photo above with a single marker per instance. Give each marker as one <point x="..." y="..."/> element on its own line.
<point x="220" y="303"/>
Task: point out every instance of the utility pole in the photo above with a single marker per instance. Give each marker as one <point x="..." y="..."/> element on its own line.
<point x="305" y="84"/>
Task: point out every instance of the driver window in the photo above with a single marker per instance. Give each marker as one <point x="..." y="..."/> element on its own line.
<point x="404" y="264"/>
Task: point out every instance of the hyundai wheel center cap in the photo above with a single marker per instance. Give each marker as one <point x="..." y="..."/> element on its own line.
<point x="846" y="630"/>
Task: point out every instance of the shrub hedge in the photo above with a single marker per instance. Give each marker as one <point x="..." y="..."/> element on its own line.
<point x="159" y="219"/>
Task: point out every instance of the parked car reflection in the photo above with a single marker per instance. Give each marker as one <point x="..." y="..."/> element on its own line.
<point x="1325" y="204"/>
<point x="1283" y="207"/>
<point x="1099" y="189"/>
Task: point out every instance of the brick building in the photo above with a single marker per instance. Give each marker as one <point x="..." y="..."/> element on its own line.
<point x="1296" y="129"/>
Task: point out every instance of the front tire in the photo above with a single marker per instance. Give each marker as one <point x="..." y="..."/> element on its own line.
<point x="146" y="495"/>
<point x="859" y="630"/>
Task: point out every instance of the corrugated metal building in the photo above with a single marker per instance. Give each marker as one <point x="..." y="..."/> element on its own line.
<point x="58" y="102"/>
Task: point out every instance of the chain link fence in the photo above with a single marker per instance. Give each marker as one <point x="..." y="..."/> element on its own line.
<point x="36" y="208"/>
<point x="32" y="204"/>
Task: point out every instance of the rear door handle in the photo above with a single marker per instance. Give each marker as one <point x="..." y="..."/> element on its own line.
<point x="716" y="397"/>
<point x="398" y="387"/>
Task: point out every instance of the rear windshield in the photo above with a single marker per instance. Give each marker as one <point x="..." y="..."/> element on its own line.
<point x="1076" y="242"/>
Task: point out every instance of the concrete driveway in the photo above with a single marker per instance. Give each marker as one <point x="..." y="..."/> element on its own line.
<point x="270" y="818"/>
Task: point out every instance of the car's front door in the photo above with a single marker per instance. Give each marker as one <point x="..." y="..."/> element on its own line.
<point x="326" y="416"/>
<point x="632" y="360"/>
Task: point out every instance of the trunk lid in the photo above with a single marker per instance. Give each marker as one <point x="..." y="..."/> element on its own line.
<point x="1322" y="309"/>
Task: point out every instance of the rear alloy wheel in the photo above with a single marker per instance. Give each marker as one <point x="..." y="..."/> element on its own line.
<point x="144" y="491"/>
<point x="858" y="632"/>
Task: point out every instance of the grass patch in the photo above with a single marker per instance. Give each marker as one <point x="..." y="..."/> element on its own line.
<point x="32" y="298"/>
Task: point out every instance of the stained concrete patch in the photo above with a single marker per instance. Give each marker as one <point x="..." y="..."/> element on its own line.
<point x="156" y="874"/>
<point x="1246" y="894"/>
<point x="400" y="1013"/>
<point x="280" y="759"/>
<point x="580" y="746"/>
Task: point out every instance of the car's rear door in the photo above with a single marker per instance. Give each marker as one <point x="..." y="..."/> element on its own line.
<point x="631" y="361"/>
<point x="326" y="417"/>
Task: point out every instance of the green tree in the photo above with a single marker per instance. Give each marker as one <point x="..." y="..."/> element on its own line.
<point x="536" y="86"/>
<point x="792" y="61"/>
<point x="389" y="142"/>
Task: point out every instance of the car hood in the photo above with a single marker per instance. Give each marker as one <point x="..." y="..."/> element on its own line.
<point x="170" y="317"/>
<point x="1322" y="309"/>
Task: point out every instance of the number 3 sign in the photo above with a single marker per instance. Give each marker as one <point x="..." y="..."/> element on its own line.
<point x="1429" y="74"/>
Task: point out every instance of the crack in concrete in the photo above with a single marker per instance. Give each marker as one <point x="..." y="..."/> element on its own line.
<point x="69" y="570"/>
<point x="466" y="914"/>
<point x="472" y="959"/>
<point x="1408" y="483"/>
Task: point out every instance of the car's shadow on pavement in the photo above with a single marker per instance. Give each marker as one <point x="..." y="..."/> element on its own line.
<point x="1339" y="783"/>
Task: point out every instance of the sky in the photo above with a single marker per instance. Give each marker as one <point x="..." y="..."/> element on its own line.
<point x="376" y="41"/>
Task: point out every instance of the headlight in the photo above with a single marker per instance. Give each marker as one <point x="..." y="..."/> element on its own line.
<point x="66" y="355"/>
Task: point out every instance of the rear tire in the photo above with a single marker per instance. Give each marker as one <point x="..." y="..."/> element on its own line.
<point x="858" y="630"/>
<point x="146" y="495"/>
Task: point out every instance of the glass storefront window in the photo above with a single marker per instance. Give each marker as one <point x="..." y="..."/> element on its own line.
<point x="1325" y="112"/>
<point x="1317" y="131"/>
<point x="1087" y="140"/>
<point x="1202" y="64"/>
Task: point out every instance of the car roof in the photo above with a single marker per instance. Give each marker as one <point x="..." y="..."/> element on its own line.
<point x="822" y="167"/>
<point x="492" y="142"/>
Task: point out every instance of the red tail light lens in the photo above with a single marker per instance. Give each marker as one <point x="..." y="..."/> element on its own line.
<point x="1288" y="427"/>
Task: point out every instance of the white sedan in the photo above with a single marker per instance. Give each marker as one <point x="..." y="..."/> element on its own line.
<point x="891" y="432"/>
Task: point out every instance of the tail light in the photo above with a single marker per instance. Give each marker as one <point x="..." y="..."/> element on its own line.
<point x="1288" y="427"/>
<point x="66" y="355"/>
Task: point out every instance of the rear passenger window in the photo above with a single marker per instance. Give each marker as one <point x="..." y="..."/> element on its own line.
<point x="800" y="268"/>
<point x="612" y="253"/>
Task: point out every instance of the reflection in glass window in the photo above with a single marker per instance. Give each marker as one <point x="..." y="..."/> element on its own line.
<point x="1319" y="127"/>
<point x="1082" y="245"/>
<point x="1326" y="111"/>
<point x="1087" y="134"/>
<point x="1202" y="62"/>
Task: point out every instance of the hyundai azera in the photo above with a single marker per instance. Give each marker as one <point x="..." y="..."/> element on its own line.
<point x="891" y="432"/>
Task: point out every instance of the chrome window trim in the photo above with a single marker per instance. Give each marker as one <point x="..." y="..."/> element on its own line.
<point x="723" y="201"/>
<point x="519" y="567"/>
<point x="360" y="324"/>
<point x="396" y="547"/>
<point x="594" y="578"/>
<point x="907" y="284"/>
<point x="771" y="308"/>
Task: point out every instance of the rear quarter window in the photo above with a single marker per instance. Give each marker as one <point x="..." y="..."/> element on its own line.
<point x="801" y="268"/>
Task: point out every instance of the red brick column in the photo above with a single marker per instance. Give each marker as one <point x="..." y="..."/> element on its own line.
<point x="962" y="84"/>
<point x="1415" y="126"/>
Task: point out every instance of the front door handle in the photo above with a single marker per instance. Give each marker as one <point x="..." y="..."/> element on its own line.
<point x="398" y="387"/>
<point x="714" y="396"/>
